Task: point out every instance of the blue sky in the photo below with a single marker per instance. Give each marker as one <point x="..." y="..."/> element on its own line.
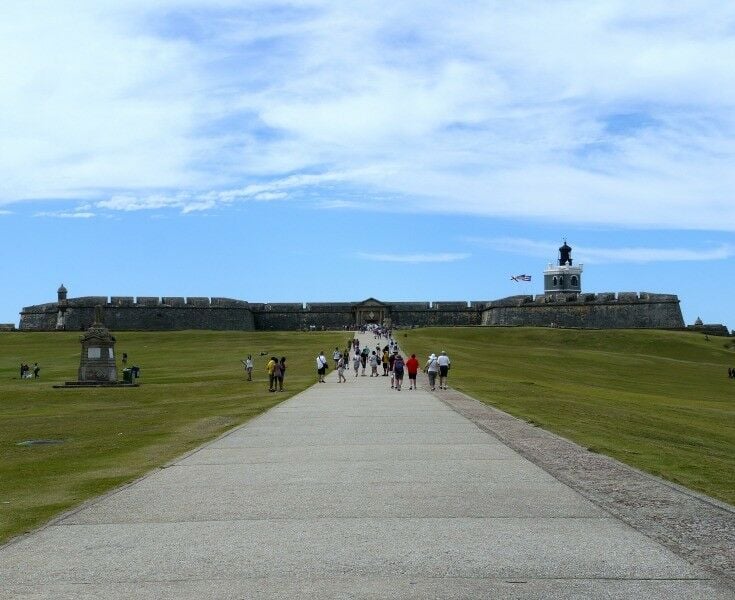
<point x="312" y="150"/>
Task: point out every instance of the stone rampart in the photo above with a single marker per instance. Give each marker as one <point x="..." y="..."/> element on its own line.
<point x="604" y="311"/>
<point x="435" y="314"/>
<point x="122" y="313"/>
<point x="626" y="310"/>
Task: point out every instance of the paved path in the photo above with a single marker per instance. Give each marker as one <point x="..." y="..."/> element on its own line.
<point x="348" y="491"/>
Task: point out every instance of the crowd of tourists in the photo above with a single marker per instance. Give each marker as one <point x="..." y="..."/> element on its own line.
<point x="384" y="360"/>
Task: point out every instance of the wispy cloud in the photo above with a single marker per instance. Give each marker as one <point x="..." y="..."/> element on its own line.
<point x="591" y="255"/>
<point x="645" y="255"/>
<point x="6" y="212"/>
<point x="442" y="257"/>
<point x="611" y="113"/>
<point x="277" y="189"/>
<point x="65" y="215"/>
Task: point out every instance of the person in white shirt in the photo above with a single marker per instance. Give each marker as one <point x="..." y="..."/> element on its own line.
<point x="431" y="369"/>
<point x="336" y="356"/>
<point x="248" y="363"/>
<point x="443" y="362"/>
<point x="373" y="364"/>
<point x="321" y="366"/>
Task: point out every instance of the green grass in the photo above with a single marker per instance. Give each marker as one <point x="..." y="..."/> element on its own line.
<point x="193" y="389"/>
<point x="660" y="401"/>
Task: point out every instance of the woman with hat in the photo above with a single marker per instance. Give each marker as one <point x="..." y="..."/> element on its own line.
<point x="431" y="368"/>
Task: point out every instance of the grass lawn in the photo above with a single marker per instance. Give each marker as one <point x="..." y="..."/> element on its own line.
<point x="660" y="401"/>
<point x="193" y="388"/>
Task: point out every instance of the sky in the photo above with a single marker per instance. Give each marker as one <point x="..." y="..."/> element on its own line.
<point x="310" y="151"/>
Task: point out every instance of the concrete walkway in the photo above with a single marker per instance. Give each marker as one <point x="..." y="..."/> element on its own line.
<point x="348" y="491"/>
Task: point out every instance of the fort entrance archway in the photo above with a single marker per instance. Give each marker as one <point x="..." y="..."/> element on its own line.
<point x="370" y="311"/>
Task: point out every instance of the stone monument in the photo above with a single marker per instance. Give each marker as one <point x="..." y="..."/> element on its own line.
<point x="97" y="363"/>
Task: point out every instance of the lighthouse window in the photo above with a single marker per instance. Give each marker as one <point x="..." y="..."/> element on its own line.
<point x="574" y="280"/>
<point x="555" y="280"/>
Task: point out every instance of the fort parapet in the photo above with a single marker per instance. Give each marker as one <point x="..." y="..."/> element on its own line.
<point x="141" y="313"/>
<point x="599" y="311"/>
<point x="624" y="310"/>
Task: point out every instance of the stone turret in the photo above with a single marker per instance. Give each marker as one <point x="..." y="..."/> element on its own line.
<point x="62" y="305"/>
<point x="563" y="278"/>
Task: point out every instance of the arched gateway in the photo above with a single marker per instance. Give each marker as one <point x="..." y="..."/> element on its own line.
<point x="371" y="311"/>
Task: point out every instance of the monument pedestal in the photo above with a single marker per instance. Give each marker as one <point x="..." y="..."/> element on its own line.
<point x="97" y="366"/>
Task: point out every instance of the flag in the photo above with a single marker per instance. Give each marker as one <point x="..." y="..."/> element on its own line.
<point x="521" y="278"/>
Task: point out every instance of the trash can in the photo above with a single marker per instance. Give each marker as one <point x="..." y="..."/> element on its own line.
<point x="127" y="376"/>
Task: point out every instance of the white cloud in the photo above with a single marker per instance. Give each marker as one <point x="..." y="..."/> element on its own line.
<point x="65" y="215"/>
<point x="574" y="112"/>
<point x="442" y="257"/>
<point x="196" y="202"/>
<point x="594" y="255"/>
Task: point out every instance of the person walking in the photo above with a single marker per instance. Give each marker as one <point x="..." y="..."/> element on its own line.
<point x="363" y="359"/>
<point x="341" y="370"/>
<point x="384" y="361"/>
<point x="356" y="363"/>
<point x="321" y="366"/>
<point x="248" y="363"/>
<point x="412" y="368"/>
<point x="444" y="363"/>
<point x="374" y="364"/>
<point x="36" y="370"/>
<point x="431" y="369"/>
<point x="335" y="356"/>
<point x="282" y="374"/>
<point x="398" y="367"/>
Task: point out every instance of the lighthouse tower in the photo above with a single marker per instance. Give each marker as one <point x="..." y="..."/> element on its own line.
<point x="563" y="278"/>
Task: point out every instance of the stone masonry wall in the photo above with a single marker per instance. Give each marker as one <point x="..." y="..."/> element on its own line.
<point x="601" y="311"/>
<point x="280" y="317"/>
<point x="626" y="310"/>
<point x="438" y="314"/>
<point x="148" y="313"/>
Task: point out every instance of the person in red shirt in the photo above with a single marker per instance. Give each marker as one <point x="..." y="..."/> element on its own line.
<point x="412" y="366"/>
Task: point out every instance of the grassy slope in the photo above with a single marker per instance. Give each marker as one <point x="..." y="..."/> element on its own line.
<point x="660" y="401"/>
<point x="193" y="389"/>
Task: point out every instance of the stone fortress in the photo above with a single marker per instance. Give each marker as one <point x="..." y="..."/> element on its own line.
<point x="563" y="304"/>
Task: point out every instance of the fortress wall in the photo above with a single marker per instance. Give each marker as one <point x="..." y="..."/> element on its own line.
<point x="148" y="313"/>
<point x="603" y="311"/>
<point x="122" y="300"/>
<point x="289" y="317"/>
<point x="626" y="311"/>
<point x="229" y="303"/>
<point x="409" y="306"/>
<point x="441" y="314"/>
<point x="173" y="301"/>
<point x="41" y="317"/>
